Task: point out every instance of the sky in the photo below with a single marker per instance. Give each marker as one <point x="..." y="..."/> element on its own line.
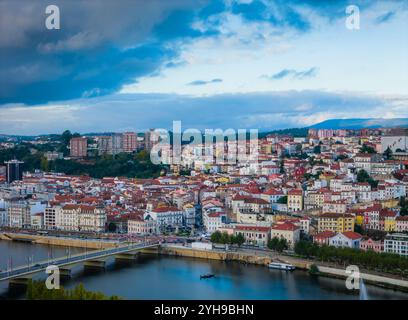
<point x="131" y="65"/>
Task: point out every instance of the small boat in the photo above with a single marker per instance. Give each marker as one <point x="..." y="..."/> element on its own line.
<point x="206" y="276"/>
<point x="281" y="266"/>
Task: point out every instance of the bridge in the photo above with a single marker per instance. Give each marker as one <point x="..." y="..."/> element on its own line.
<point x="90" y="259"/>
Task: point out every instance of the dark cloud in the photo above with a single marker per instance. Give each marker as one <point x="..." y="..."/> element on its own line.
<point x="104" y="45"/>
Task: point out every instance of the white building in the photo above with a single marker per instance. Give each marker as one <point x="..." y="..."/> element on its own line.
<point x="19" y="215"/>
<point x="347" y="239"/>
<point x="396" y="243"/>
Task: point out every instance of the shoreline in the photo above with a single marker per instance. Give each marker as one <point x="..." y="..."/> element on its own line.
<point x="382" y="281"/>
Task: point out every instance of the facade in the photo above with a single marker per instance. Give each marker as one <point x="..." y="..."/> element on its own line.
<point x="73" y="217"/>
<point x="14" y="170"/>
<point x="396" y="243"/>
<point x="288" y="231"/>
<point x="348" y="239"/>
<point x="295" y="200"/>
<point x="78" y="147"/>
<point x="142" y="226"/>
<point x="370" y="244"/>
<point x="3" y="218"/>
<point x="50" y="214"/>
<point x="323" y="238"/>
<point x="129" y="142"/>
<point x="254" y="235"/>
<point x="166" y="216"/>
<point x="117" y="143"/>
<point x="37" y="221"/>
<point x="335" y="222"/>
<point x="19" y="215"/>
<point x="214" y="221"/>
<point x="401" y="224"/>
<point x="104" y="145"/>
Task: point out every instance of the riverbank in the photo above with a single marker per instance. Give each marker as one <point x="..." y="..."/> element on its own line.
<point x="59" y="241"/>
<point x="266" y="258"/>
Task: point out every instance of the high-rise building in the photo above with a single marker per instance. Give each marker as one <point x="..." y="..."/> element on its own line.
<point x="129" y="142"/>
<point x="151" y="138"/>
<point x="104" y="145"/>
<point x="14" y="170"/>
<point x="79" y="147"/>
<point x="117" y="143"/>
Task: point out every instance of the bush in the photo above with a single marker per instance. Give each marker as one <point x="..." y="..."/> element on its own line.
<point x="314" y="269"/>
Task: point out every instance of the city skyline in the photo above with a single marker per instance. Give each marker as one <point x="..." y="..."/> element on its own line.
<point x="211" y="64"/>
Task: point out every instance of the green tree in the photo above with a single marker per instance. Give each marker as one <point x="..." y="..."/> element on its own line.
<point x="216" y="237"/>
<point x="239" y="239"/>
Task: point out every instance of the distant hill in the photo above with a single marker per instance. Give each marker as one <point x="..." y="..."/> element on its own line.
<point x="355" y="124"/>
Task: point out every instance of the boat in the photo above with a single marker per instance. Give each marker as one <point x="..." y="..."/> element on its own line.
<point x="206" y="276"/>
<point x="281" y="266"/>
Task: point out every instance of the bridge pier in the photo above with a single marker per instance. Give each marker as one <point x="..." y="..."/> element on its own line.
<point x="95" y="265"/>
<point x="126" y="256"/>
<point x="18" y="284"/>
<point x="65" y="273"/>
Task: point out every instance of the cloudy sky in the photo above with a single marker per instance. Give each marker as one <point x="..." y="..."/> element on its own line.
<point x="133" y="65"/>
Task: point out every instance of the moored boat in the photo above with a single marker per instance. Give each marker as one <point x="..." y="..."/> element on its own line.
<point x="281" y="266"/>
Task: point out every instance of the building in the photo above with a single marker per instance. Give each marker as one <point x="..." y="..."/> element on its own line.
<point x="166" y="216"/>
<point x="370" y="244"/>
<point x="396" y="243"/>
<point x="295" y="200"/>
<point x="401" y="224"/>
<point x="142" y="226"/>
<point x="3" y="218"/>
<point x="394" y="142"/>
<point x="74" y="217"/>
<point x="288" y="231"/>
<point x="214" y="220"/>
<point x="254" y="235"/>
<point x="19" y="215"/>
<point x="37" y="220"/>
<point x="348" y="239"/>
<point x="104" y="145"/>
<point x="78" y="147"/>
<point x="117" y="143"/>
<point x="14" y="170"/>
<point x="129" y="142"/>
<point x="336" y="222"/>
<point x="323" y="238"/>
<point x="50" y="214"/>
<point x="52" y="155"/>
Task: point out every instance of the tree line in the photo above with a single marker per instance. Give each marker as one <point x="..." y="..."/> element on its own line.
<point x="36" y="290"/>
<point x="225" y="238"/>
<point x="370" y="260"/>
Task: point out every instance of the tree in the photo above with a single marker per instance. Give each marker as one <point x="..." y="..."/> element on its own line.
<point x="216" y="237"/>
<point x="314" y="270"/>
<point x="225" y="238"/>
<point x="44" y="164"/>
<point x="388" y="153"/>
<point x="367" y="149"/>
<point x="36" y="290"/>
<point x="239" y="239"/>
<point x="112" y="227"/>
<point x="283" y="200"/>
<point x="317" y="149"/>
<point x="362" y="176"/>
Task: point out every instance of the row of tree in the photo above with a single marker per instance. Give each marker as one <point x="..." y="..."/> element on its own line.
<point x="36" y="290"/>
<point x="225" y="238"/>
<point x="382" y="262"/>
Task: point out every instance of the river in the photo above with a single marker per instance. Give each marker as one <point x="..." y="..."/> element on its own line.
<point x="165" y="277"/>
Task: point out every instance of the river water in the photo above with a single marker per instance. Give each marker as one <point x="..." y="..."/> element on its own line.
<point x="164" y="277"/>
